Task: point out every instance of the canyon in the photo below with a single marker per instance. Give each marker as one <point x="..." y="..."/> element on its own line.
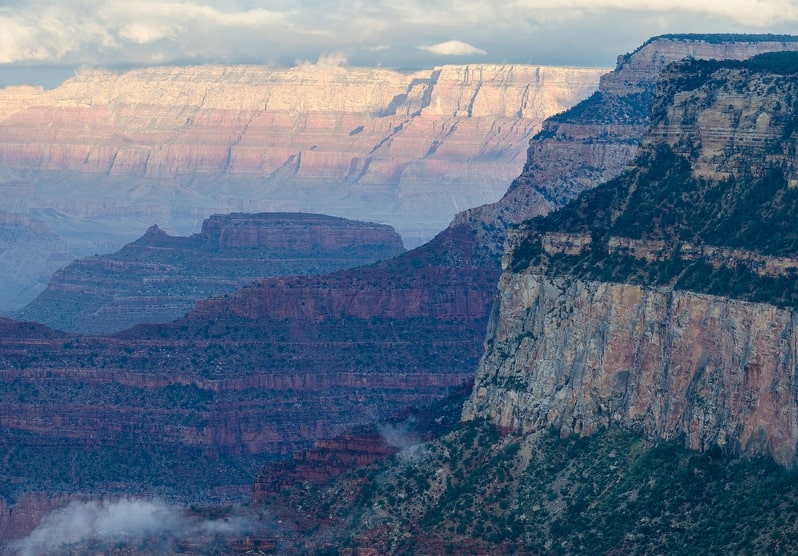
<point x="283" y="363"/>
<point x="637" y="390"/>
<point x="105" y="155"/>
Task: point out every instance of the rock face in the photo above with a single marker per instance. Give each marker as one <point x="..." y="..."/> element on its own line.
<point x="580" y="356"/>
<point x="159" y="277"/>
<point x="594" y="141"/>
<point x="598" y="321"/>
<point x="174" y="145"/>
<point x="189" y="410"/>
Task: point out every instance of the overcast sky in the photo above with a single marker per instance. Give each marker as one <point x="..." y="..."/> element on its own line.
<point x="48" y="39"/>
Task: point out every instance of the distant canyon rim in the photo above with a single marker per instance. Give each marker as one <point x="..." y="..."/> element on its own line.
<point x="90" y="165"/>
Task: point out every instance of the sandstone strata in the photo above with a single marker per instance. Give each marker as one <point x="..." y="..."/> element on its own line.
<point x="173" y="145"/>
<point x="579" y="356"/>
<point x="602" y="316"/>
<point x="190" y="409"/>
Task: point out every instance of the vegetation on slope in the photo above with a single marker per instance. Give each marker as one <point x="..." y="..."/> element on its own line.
<point x="662" y="199"/>
<point x="476" y="492"/>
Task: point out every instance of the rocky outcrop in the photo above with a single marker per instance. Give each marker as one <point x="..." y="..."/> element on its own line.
<point x="658" y="251"/>
<point x="327" y="459"/>
<point x="596" y="140"/>
<point x="159" y="277"/>
<point x="580" y="356"/>
<point x="603" y="315"/>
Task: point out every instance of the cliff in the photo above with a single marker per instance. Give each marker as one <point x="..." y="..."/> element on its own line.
<point x="173" y="145"/>
<point x="159" y="277"/>
<point x="580" y="356"/>
<point x="595" y="140"/>
<point x="663" y="301"/>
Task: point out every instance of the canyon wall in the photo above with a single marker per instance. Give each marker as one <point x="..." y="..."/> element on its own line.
<point x="595" y="140"/>
<point x="105" y="155"/>
<point x="664" y="301"/>
<point x="579" y="356"/>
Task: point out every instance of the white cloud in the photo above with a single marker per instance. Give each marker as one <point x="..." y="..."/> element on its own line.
<point x="591" y="32"/>
<point x="453" y="48"/>
<point x="757" y="13"/>
<point x="331" y="60"/>
<point x="142" y="34"/>
<point x="123" y="522"/>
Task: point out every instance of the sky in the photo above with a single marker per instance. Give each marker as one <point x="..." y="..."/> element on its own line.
<point x="48" y="40"/>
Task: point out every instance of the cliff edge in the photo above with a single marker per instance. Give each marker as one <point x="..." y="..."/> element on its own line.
<point x="664" y="300"/>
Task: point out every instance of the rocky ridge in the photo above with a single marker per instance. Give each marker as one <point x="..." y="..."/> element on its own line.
<point x="159" y="277"/>
<point x="601" y="320"/>
<point x="595" y="140"/>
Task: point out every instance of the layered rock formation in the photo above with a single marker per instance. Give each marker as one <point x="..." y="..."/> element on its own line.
<point x="172" y="145"/>
<point x="580" y="356"/>
<point x="232" y="385"/>
<point x="274" y="367"/>
<point x="597" y="322"/>
<point x="595" y="141"/>
<point x="159" y="277"/>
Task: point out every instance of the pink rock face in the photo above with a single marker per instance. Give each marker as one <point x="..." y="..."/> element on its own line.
<point x="105" y="155"/>
<point x="401" y="133"/>
<point x="583" y="355"/>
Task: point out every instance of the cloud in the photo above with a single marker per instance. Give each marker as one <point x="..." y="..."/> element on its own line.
<point x="126" y="522"/>
<point x="328" y="60"/>
<point x="757" y="13"/>
<point x="279" y="32"/>
<point x="453" y="48"/>
<point x="143" y="34"/>
<point x="332" y="60"/>
<point x="398" y="436"/>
